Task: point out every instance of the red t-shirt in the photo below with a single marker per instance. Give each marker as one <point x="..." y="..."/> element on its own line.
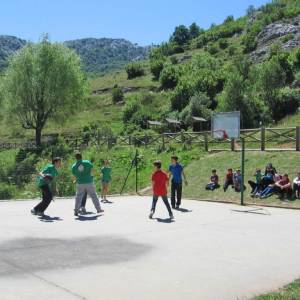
<point x="160" y="180"/>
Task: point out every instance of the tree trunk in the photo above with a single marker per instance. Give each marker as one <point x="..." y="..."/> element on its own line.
<point x="38" y="137"/>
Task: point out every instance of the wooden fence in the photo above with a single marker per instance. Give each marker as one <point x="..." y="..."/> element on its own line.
<point x="259" y="139"/>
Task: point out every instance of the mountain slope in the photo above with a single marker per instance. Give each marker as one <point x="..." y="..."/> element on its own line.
<point x="98" y="55"/>
<point x="8" y="46"/>
<point x="102" y="55"/>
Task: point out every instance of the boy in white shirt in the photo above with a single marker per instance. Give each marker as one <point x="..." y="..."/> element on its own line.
<point x="296" y="186"/>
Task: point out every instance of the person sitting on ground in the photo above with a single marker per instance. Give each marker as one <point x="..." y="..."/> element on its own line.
<point x="255" y="186"/>
<point x="237" y="181"/>
<point x="283" y="187"/>
<point x="296" y="186"/>
<point x="267" y="192"/>
<point x="268" y="178"/>
<point x="214" y="181"/>
<point x="228" y="180"/>
<point x="270" y="168"/>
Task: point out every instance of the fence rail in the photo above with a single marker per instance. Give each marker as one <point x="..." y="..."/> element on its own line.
<point x="255" y="139"/>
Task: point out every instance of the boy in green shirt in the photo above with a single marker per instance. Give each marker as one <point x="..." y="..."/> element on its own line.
<point x="82" y="171"/>
<point x="106" y="178"/>
<point x="46" y="184"/>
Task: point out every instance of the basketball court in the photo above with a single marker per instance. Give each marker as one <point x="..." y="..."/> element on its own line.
<point x="211" y="251"/>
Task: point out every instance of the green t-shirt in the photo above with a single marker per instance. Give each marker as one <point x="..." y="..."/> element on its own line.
<point x="82" y="170"/>
<point x="50" y="173"/>
<point x="258" y="177"/>
<point x="106" y="174"/>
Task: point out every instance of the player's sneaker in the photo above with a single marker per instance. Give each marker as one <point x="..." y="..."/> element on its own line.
<point x="83" y="210"/>
<point x="75" y="213"/>
<point x="99" y="211"/>
<point x="151" y="214"/>
<point x="171" y="217"/>
<point x="33" y="211"/>
<point x="40" y="214"/>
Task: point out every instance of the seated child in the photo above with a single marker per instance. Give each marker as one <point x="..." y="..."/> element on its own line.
<point x="296" y="186"/>
<point x="228" y="180"/>
<point x="214" y="181"/>
<point x="283" y="187"/>
<point x="255" y="186"/>
<point x="237" y="181"/>
<point x="268" y="178"/>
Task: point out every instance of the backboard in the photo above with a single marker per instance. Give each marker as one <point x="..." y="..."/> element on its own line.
<point x="226" y="125"/>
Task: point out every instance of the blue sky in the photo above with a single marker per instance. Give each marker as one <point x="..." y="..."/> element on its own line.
<point x="139" y="21"/>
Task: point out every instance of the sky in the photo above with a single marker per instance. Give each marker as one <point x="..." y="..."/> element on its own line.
<point x="143" y="22"/>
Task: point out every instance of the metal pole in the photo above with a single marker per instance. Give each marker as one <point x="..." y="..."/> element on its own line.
<point x="136" y="170"/>
<point x="243" y="171"/>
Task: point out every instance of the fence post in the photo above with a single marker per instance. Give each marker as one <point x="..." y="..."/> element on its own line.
<point x="298" y="138"/>
<point x="263" y="139"/>
<point x="205" y="142"/>
<point x="232" y="143"/>
<point x="163" y="142"/>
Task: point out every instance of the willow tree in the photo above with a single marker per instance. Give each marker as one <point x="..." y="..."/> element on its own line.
<point x="43" y="81"/>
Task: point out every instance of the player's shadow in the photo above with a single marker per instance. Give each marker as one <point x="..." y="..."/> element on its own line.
<point x="49" y="219"/>
<point x="107" y="202"/>
<point x="167" y="220"/>
<point x="87" y="217"/>
<point x="183" y="210"/>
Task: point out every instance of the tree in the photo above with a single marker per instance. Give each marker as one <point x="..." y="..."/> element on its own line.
<point x="43" y="81"/>
<point x="117" y="94"/>
<point x="168" y="77"/>
<point x="194" y="30"/>
<point x="134" y="70"/>
<point x="181" y="35"/>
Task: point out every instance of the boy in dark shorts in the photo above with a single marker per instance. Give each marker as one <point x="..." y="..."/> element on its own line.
<point x="105" y="180"/>
<point x="160" y="181"/>
<point x="176" y="172"/>
<point x="214" y="181"/>
<point x="46" y="184"/>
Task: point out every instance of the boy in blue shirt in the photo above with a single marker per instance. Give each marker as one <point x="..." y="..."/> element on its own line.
<point x="176" y="171"/>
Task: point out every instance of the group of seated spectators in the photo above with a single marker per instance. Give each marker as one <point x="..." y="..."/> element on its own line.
<point x="233" y="179"/>
<point x="265" y="184"/>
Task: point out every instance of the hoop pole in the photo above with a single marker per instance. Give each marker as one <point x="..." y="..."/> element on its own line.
<point x="243" y="171"/>
<point x="136" y="170"/>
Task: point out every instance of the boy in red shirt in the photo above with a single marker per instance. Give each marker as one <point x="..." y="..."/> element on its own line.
<point x="160" y="182"/>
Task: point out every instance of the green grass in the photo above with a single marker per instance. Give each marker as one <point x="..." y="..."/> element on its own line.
<point x="289" y="292"/>
<point x="199" y="173"/>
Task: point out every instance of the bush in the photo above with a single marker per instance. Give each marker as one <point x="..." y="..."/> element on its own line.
<point x="168" y="77"/>
<point x="174" y="60"/>
<point x="223" y="43"/>
<point x="117" y="94"/>
<point x="287" y="102"/>
<point x="156" y="66"/>
<point x="6" y="191"/>
<point x="212" y="48"/>
<point x="130" y="109"/>
<point x="134" y="70"/>
<point x="181" y="95"/>
<point x="250" y="43"/>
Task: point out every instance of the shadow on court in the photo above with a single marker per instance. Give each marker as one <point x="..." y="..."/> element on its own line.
<point x="88" y="217"/>
<point x="49" y="219"/>
<point x="36" y="254"/>
<point x="183" y="210"/>
<point x="167" y="220"/>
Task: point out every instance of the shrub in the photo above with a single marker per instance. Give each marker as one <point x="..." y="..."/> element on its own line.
<point x="117" y="94"/>
<point x="181" y="95"/>
<point x="223" y="43"/>
<point x="168" y="77"/>
<point x="250" y="43"/>
<point x="287" y="102"/>
<point x="134" y="70"/>
<point x="6" y="191"/>
<point x="174" y="60"/>
<point x="212" y="48"/>
<point x="130" y="109"/>
<point x="156" y="66"/>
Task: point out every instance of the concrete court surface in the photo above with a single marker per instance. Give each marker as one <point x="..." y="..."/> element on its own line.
<point x="209" y="252"/>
